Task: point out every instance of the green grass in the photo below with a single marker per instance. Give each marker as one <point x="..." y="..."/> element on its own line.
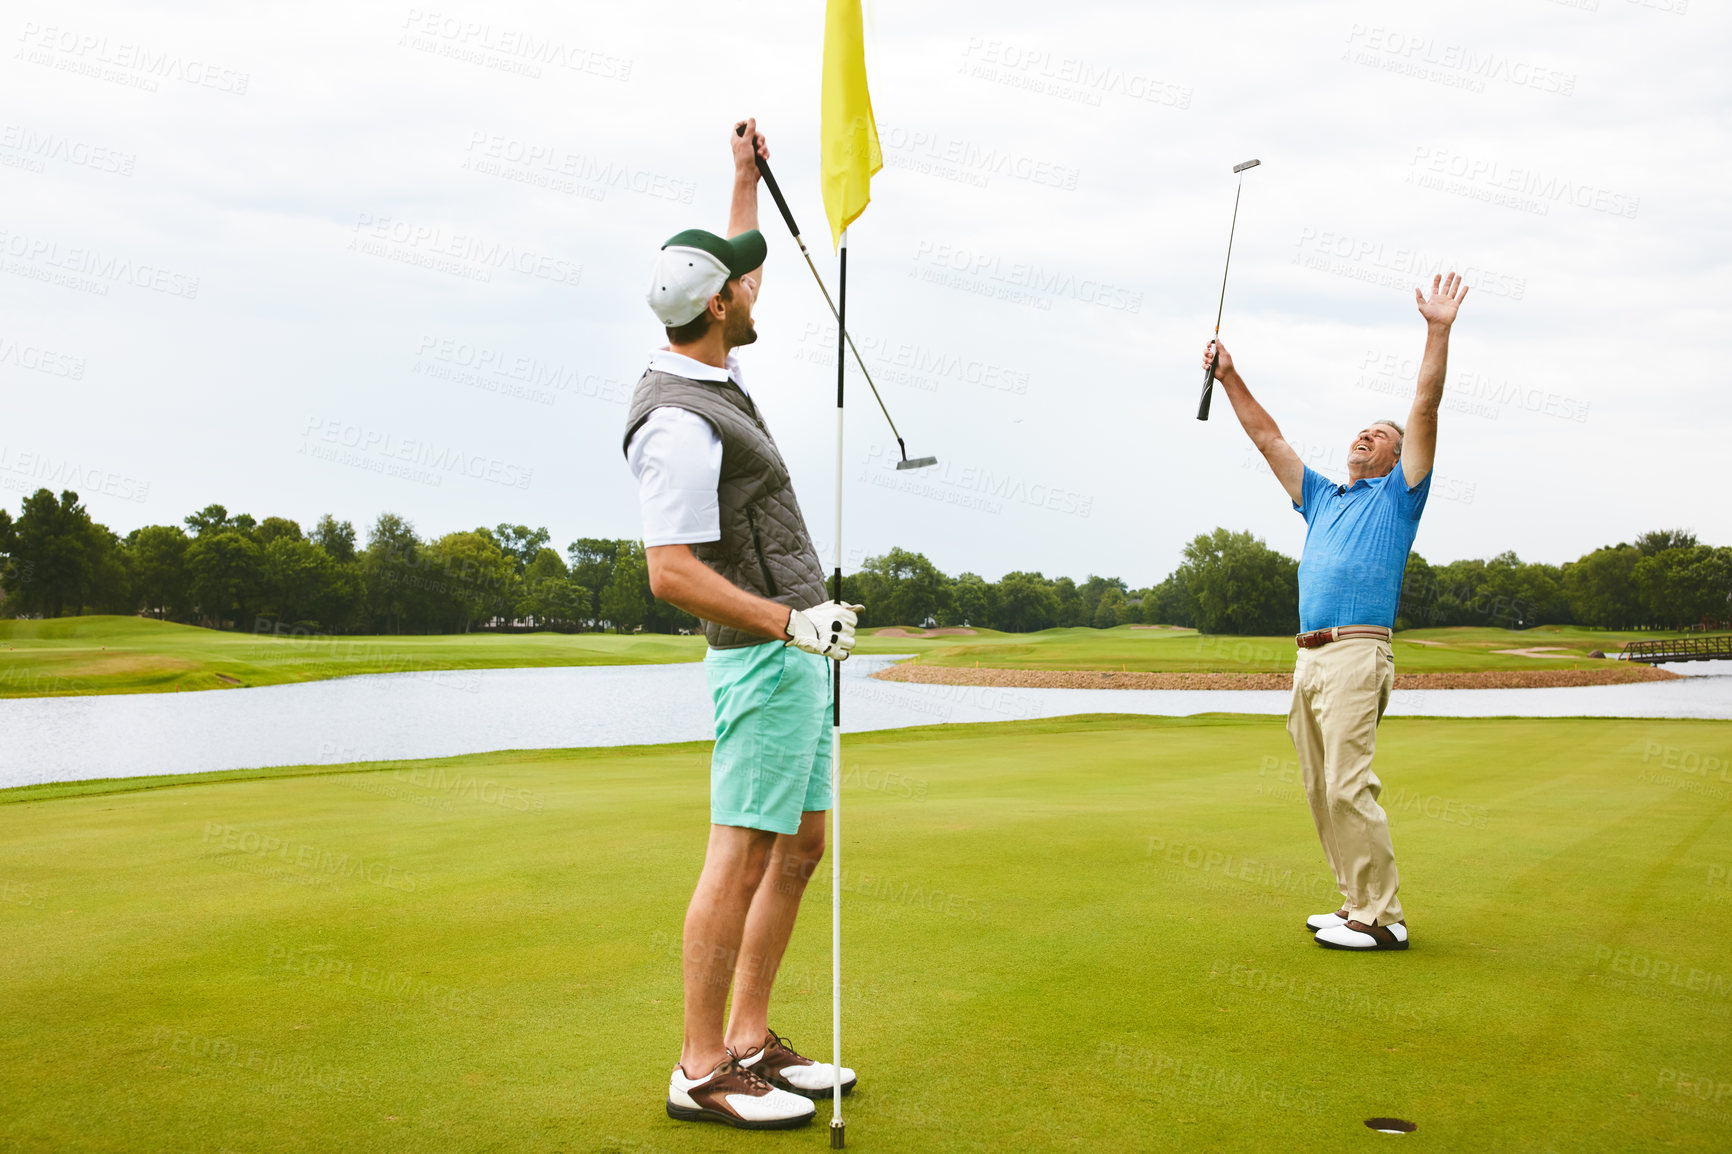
<point x="81" y="655"/>
<point x="1072" y="934"/>
<point x="84" y="655"/>
<point x="1187" y="651"/>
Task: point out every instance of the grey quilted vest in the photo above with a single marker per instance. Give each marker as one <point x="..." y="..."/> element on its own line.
<point x="764" y="548"/>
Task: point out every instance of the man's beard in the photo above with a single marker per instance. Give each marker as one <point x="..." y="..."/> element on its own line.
<point x="740" y="333"/>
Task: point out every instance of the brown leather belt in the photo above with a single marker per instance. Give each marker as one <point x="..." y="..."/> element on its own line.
<point x="1340" y="633"/>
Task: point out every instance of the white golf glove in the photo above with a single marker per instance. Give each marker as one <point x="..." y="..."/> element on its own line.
<point x="827" y="629"/>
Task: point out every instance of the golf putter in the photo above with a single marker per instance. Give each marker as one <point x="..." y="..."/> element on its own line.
<point x="794" y="229"/>
<point x="1214" y="350"/>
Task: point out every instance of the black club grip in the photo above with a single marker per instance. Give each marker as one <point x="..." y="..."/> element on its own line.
<point x="1208" y="388"/>
<point x="775" y="189"/>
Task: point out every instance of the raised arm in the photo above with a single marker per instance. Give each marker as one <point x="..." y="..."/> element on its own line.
<point x="1260" y="426"/>
<point x="1419" y="446"/>
<point x="743" y="212"/>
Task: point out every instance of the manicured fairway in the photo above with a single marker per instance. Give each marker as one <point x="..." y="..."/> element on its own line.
<point x="1065" y="935"/>
<point x="82" y="655"/>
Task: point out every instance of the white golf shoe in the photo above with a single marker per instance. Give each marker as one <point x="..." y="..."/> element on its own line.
<point x="732" y="1094"/>
<point x="777" y="1062"/>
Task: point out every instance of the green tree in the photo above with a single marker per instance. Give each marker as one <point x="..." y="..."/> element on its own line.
<point x="1070" y="607"/>
<point x="1170" y="602"/>
<point x="1240" y="585"/>
<point x="1659" y="540"/>
<point x="110" y="589"/>
<point x="899" y="588"/>
<point x="975" y="600"/>
<point x="55" y="553"/>
<point x="549" y="593"/>
<point x="473" y="578"/>
<point x="336" y="538"/>
<point x="1111" y="609"/>
<point x="276" y="529"/>
<point x="216" y="519"/>
<point x="521" y="543"/>
<point x="224" y="566"/>
<point x="1418" y="605"/>
<point x="301" y="584"/>
<point x="1682" y="587"/>
<point x="1026" y="603"/>
<point x="1092" y="591"/>
<point x="1601" y="587"/>
<point x="1514" y="595"/>
<point x="392" y="573"/>
<point x="623" y="602"/>
<point x="159" y="572"/>
<point x="592" y="560"/>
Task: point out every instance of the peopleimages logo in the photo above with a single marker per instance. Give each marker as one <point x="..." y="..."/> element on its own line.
<point x="1493" y="177"/>
<point x="47" y="471"/>
<point x="1394" y="266"/>
<point x="476" y="257"/>
<point x="89" y="54"/>
<point x="439" y="460"/>
<point x="45" y="254"/>
<point x="1025" y="277"/>
<point x="40" y="360"/>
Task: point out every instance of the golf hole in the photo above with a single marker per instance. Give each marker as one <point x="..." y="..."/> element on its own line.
<point x="1391" y="1125"/>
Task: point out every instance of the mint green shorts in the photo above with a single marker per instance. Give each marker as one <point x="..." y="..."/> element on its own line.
<point x="772" y="759"/>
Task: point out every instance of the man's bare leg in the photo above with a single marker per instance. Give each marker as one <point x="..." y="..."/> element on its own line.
<point x="733" y="870"/>
<point x="793" y="859"/>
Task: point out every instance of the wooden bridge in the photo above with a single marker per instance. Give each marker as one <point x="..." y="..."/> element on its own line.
<point x="1678" y="649"/>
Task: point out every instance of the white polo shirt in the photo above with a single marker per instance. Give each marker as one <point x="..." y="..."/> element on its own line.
<point x="676" y="457"/>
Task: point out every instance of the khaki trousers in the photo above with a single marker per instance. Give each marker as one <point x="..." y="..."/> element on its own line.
<point x="1340" y="691"/>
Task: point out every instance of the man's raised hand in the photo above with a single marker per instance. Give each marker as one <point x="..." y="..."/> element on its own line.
<point x="748" y="146"/>
<point x="1223" y="359"/>
<point x="1446" y="298"/>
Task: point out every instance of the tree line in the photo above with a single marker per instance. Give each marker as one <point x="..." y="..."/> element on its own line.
<point x="232" y="571"/>
<point x="1234" y="583"/>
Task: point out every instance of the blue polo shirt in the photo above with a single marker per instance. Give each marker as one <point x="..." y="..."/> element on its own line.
<point x="1356" y="542"/>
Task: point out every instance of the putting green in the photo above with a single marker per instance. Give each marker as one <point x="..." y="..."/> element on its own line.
<point x="1072" y="934"/>
<point x="84" y="655"/>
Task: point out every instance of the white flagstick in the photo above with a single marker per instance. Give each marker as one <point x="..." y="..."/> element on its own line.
<point x="837" y="1125"/>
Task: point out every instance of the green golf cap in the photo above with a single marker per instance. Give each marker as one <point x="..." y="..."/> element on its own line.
<point x="693" y="266"/>
<point x="741" y="254"/>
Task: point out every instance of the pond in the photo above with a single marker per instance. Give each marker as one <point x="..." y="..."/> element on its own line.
<point x="435" y="714"/>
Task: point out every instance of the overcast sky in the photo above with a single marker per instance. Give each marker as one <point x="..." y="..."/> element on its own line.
<point x="353" y="257"/>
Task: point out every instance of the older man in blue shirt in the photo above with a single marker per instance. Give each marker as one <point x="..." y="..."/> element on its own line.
<point x="1356" y="542"/>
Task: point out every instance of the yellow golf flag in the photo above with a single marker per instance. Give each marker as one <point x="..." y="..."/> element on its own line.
<point x="848" y="136"/>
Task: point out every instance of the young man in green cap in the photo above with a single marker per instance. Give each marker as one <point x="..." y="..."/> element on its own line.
<point x="726" y="542"/>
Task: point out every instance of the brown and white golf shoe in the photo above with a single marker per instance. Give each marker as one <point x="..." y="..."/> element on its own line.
<point x="732" y="1094"/>
<point x="779" y="1064"/>
<point x="1352" y="935"/>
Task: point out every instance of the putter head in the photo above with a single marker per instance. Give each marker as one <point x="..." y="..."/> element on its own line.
<point x="1247" y="164"/>
<point x="917" y="463"/>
